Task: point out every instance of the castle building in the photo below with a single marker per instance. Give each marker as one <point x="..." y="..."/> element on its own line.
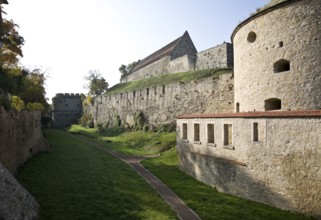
<point x="269" y="148"/>
<point x="181" y="56"/>
<point x="162" y="103"/>
<point x="254" y="132"/>
<point x="66" y="109"/>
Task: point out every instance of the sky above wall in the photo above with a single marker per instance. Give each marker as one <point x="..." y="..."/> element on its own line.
<point x="69" y="38"/>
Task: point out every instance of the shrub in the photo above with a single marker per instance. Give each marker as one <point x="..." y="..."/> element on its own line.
<point x="87" y="121"/>
<point x="35" y="106"/>
<point x="88" y="101"/>
<point x="17" y="103"/>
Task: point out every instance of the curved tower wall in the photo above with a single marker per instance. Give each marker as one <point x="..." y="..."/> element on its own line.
<point x="277" y="56"/>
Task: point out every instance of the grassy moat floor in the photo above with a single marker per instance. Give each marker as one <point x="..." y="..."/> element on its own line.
<point x="77" y="181"/>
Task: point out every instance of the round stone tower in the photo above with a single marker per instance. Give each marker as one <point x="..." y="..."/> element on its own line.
<point x="277" y="58"/>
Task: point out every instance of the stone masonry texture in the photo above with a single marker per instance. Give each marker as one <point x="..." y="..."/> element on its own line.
<point x="20" y="137"/>
<point x="220" y="56"/>
<point x="281" y="168"/>
<point x="161" y="105"/>
<point x="66" y="109"/>
<point x="15" y="201"/>
<point x="290" y="32"/>
<point x="267" y="156"/>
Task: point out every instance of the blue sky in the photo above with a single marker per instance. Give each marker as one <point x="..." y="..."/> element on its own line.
<point x="69" y="38"/>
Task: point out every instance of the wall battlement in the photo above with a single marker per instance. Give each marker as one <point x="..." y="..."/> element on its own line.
<point x="66" y="109"/>
<point x="61" y="95"/>
<point x="161" y="104"/>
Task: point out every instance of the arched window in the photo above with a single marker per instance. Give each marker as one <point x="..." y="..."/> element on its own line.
<point x="237" y="107"/>
<point x="281" y="66"/>
<point x="272" y="104"/>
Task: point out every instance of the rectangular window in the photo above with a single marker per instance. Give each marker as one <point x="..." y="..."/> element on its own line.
<point x="255" y="132"/>
<point x="227" y="134"/>
<point x="163" y="90"/>
<point x="147" y="91"/>
<point x="210" y="133"/>
<point x="184" y="131"/>
<point x="196" y="132"/>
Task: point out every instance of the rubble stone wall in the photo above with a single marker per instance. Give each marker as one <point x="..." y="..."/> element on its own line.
<point x="281" y="168"/>
<point x="20" y="137"/>
<point x="161" y="104"/>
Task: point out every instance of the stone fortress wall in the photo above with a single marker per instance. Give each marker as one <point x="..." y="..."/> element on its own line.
<point x="220" y="56"/>
<point x="278" y="52"/>
<point x="66" y="109"/>
<point x="270" y="149"/>
<point x="161" y="104"/>
<point x="21" y="137"/>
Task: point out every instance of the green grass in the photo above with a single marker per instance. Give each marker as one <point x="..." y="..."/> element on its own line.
<point x="166" y="79"/>
<point x="130" y="142"/>
<point x="205" y="200"/>
<point x="77" y="181"/>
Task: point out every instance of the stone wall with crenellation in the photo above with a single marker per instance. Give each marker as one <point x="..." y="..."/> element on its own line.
<point x="161" y="104"/>
<point x="66" y="109"/>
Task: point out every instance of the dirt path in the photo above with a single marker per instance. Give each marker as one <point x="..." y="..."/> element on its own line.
<point x="182" y="210"/>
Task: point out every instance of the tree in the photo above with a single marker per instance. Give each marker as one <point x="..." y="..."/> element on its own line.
<point x="12" y="43"/>
<point x="125" y="70"/>
<point x="33" y="86"/>
<point x="25" y="86"/>
<point x="97" y="85"/>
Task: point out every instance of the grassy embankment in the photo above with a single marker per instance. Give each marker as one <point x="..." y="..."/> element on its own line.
<point x="205" y="200"/>
<point x="77" y="181"/>
<point x="167" y="79"/>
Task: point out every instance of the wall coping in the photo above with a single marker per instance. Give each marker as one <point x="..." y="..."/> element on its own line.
<point x="267" y="114"/>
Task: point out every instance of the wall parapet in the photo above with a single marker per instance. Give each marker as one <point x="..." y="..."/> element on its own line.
<point x="160" y="104"/>
<point x="61" y="95"/>
<point x="263" y="11"/>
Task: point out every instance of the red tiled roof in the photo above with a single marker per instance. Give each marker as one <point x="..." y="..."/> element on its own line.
<point x="164" y="51"/>
<point x="267" y="114"/>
